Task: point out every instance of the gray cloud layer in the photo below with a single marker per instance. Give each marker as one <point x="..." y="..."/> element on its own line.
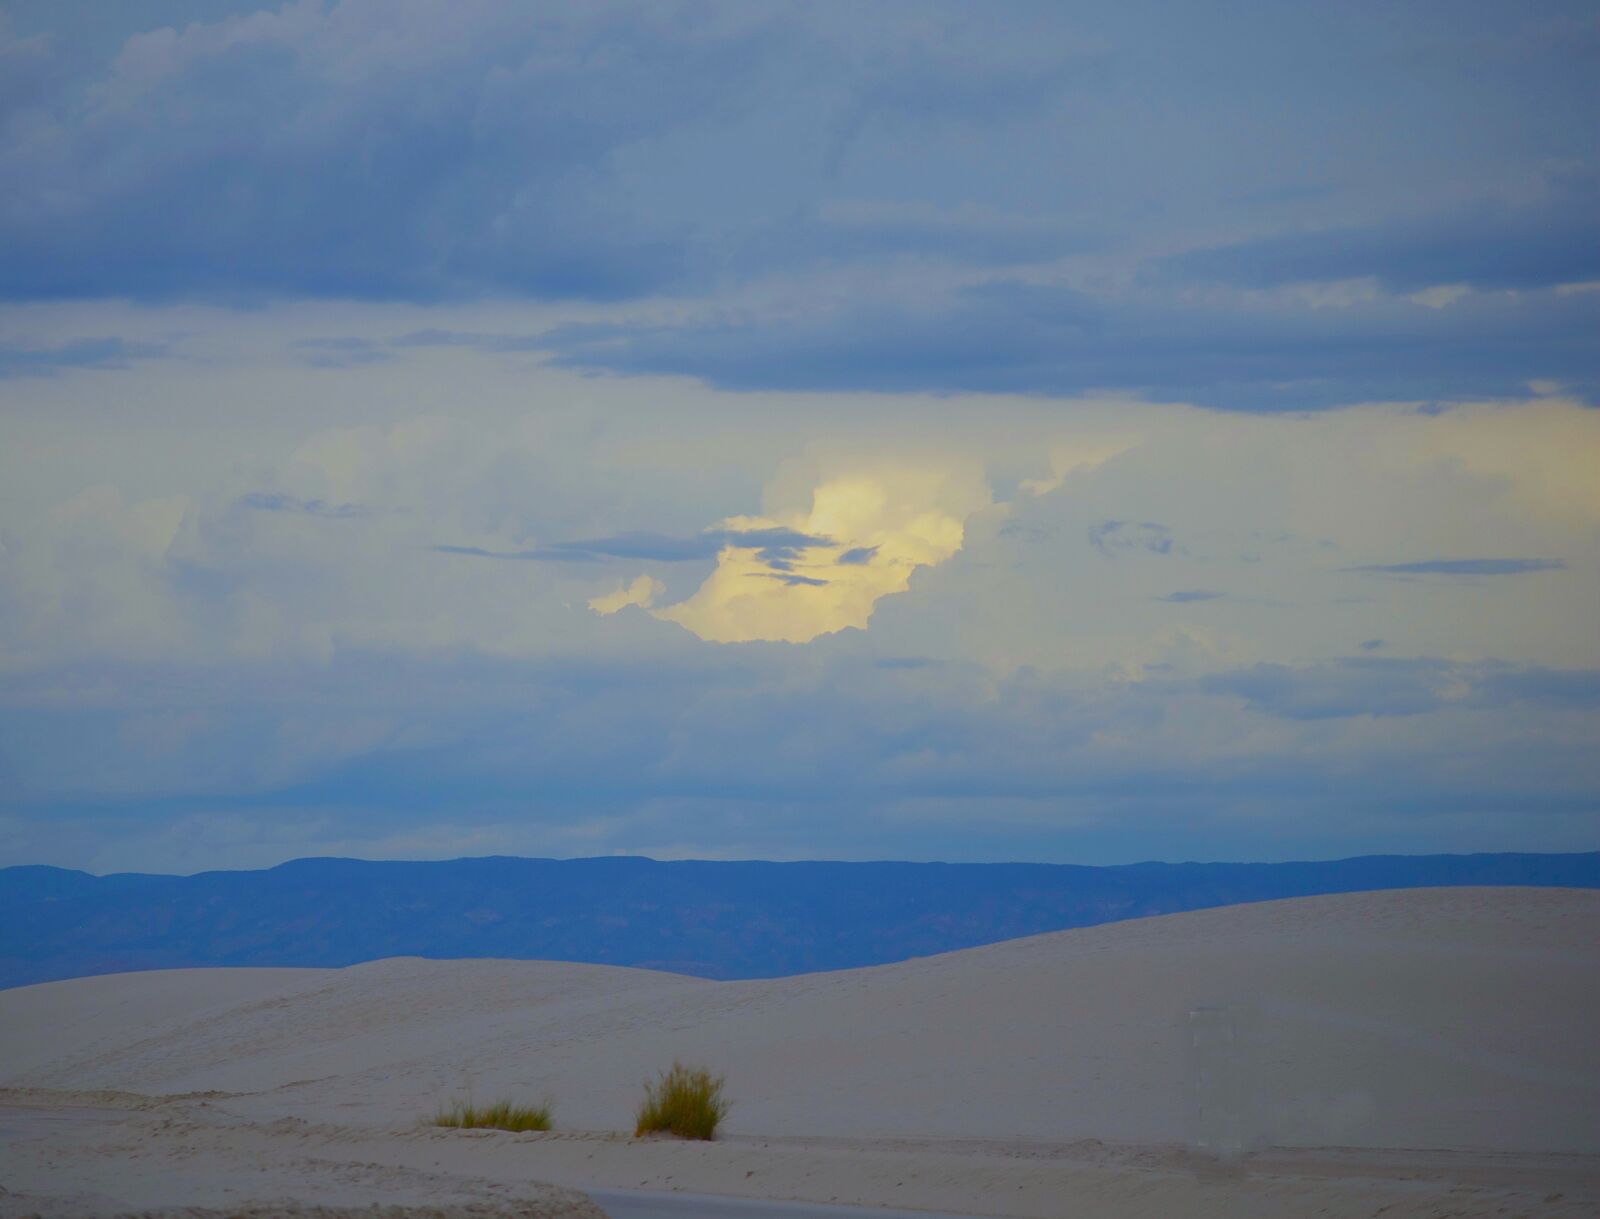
<point x="1021" y="338"/>
<point x="881" y="759"/>
<point x="1002" y="186"/>
<point x="1555" y="240"/>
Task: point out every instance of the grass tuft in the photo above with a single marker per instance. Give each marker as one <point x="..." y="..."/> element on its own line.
<point x="685" y="1101"/>
<point x="502" y="1115"/>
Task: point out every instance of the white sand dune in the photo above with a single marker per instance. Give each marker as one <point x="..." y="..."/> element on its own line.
<point x="1449" y="1028"/>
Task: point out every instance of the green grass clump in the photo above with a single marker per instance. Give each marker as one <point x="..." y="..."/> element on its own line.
<point x="502" y="1115"/>
<point x="685" y="1101"/>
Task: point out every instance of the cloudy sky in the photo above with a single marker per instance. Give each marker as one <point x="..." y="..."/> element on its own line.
<point x="1065" y="432"/>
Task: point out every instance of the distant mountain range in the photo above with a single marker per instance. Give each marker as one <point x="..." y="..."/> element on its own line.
<point x="715" y="920"/>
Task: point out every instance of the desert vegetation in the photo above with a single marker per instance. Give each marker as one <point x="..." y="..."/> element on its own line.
<point x="685" y="1101"/>
<point x="502" y="1115"/>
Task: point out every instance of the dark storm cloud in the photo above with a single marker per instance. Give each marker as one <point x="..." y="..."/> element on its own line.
<point x="366" y="151"/>
<point x="371" y="151"/>
<point x="1555" y="241"/>
<point x="1023" y="338"/>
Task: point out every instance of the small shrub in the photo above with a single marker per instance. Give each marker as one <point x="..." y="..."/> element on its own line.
<point x="502" y="1115"/>
<point x="685" y="1101"/>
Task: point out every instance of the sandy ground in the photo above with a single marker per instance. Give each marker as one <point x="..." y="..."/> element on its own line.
<point x="1428" y="1052"/>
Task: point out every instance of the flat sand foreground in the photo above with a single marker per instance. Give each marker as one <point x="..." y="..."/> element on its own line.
<point x="1423" y="1052"/>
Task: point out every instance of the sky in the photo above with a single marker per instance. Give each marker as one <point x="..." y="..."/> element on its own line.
<point x="1059" y="432"/>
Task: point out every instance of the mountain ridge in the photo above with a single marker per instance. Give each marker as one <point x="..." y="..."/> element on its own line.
<point x="714" y="919"/>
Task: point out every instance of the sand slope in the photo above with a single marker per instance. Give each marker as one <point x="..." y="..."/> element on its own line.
<point x="1446" y="1019"/>
<point x="1459" y="1018"/>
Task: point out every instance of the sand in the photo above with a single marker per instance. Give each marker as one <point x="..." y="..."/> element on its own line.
<point x="1426" y="1051"/>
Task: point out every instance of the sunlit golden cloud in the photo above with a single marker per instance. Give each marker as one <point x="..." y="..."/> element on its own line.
<point x="643" y="592"/>
<point x="873" y="528"/>
<point x="1077" y="456"/>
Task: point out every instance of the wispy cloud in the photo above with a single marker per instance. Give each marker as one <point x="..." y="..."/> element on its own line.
<point x="1371" y="686"/>
<point x="1460" y="567"/>
<point x="774" y="546"/>
<point x="276" y="501"/>
<point x="342" y="352"/>
<point x="1113" y="538"/>
<point x="102" y="353"/>
<point x="793" y="581"/>
<point x="474" y="340"/>
<point x="642" y="592"/>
